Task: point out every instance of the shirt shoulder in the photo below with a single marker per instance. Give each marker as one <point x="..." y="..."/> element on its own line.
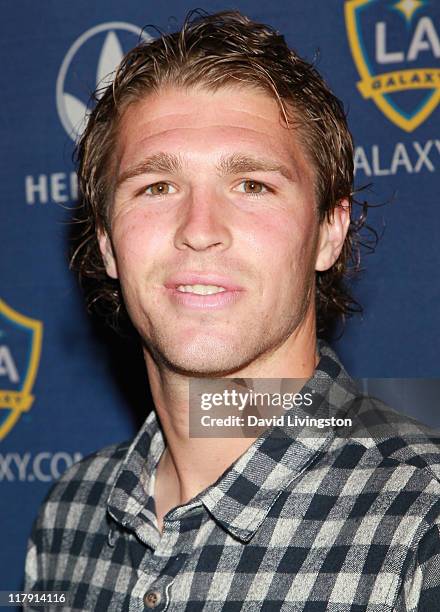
<point x="379" y="433"/>
<point x="91" y="476"/>
<point x="398" y="462"/>
<point x="395" y="438"/>
<point x="75" y="501"/>
<point x="82" y="489"/>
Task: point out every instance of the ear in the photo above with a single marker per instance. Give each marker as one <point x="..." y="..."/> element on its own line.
<point x="106" y="248"/>
<point x="332" y="235"/>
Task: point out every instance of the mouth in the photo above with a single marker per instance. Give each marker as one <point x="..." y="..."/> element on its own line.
<point x="196" y="294"/>
<point x="200" y="289"/>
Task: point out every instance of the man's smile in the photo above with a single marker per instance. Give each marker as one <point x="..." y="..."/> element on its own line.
<point x="194" y="290"/>
<point x="200" y="289"/>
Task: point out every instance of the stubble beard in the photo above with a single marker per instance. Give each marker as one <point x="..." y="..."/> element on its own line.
<point x="207" y="362"/>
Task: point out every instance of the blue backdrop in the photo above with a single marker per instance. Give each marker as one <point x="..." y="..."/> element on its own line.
<point x="67" y="386"/>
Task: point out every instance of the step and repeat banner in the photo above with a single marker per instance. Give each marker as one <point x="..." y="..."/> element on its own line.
<point x="69" y="387"/>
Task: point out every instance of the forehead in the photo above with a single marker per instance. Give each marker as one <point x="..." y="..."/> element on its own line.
<point x="203" y="125"/>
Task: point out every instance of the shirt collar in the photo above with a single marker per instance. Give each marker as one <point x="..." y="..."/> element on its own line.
<point x="129" y="502"/>
<point x="244" y="494"/>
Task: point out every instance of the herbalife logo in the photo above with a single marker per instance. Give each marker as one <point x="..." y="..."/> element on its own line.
<point x="90" y="63"/>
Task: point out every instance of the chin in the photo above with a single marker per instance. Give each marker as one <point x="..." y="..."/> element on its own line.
<point x="208" y="361"/>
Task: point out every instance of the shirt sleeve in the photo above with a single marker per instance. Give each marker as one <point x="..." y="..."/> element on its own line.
<point x="420" y="590"/>
<point x="30" y="572"/>
<point x="33" y="560"/>
<point x="37" y="555"/>
<point x="34" y="572"/>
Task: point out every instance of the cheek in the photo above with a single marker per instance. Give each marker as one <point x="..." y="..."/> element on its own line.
<point x="284" y="243"/>
<point x="136" y="238"/>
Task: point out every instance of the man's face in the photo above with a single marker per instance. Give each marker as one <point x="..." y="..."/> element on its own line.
<point x="212" y="189"/>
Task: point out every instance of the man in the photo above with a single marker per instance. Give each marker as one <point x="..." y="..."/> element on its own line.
<point x="216" y="176"/>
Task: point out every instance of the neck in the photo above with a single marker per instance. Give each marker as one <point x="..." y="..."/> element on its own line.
<point x="189" y="465"/>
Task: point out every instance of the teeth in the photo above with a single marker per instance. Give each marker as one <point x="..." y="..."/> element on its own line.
<point x="200" y="289"/>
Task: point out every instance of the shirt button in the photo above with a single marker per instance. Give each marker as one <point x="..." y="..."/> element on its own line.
<point x="152" y="599"/>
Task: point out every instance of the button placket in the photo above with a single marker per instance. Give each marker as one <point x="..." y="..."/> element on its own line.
<point x="156" y="594"/>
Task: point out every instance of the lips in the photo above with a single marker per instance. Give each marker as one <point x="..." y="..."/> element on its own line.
<point x="215" y="301"/>
<point x="202" y="279"/>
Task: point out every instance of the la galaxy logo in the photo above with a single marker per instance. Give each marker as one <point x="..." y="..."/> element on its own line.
<point x="396" y="49"/>
<point x="20" y="350"/>
<point x="90" y="63"/>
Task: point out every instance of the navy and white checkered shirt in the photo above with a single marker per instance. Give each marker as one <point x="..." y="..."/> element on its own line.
<point x="337" y="523"/>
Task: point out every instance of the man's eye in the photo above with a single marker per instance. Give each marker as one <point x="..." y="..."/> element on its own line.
<point x="159" y="189"/>
<point x="252" y="187"/>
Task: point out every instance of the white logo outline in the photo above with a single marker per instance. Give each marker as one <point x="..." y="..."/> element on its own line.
<point x="70" y="129"/>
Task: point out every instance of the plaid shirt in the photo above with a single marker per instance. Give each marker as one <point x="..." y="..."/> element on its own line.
<point x="295" y="524"/>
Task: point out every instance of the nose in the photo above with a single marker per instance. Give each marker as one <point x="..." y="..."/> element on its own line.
<point x="204" y="224"/>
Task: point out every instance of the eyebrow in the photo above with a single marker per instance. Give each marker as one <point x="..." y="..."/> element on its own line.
<point x="237" y="163"/>
<point x="230" y="164"/>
